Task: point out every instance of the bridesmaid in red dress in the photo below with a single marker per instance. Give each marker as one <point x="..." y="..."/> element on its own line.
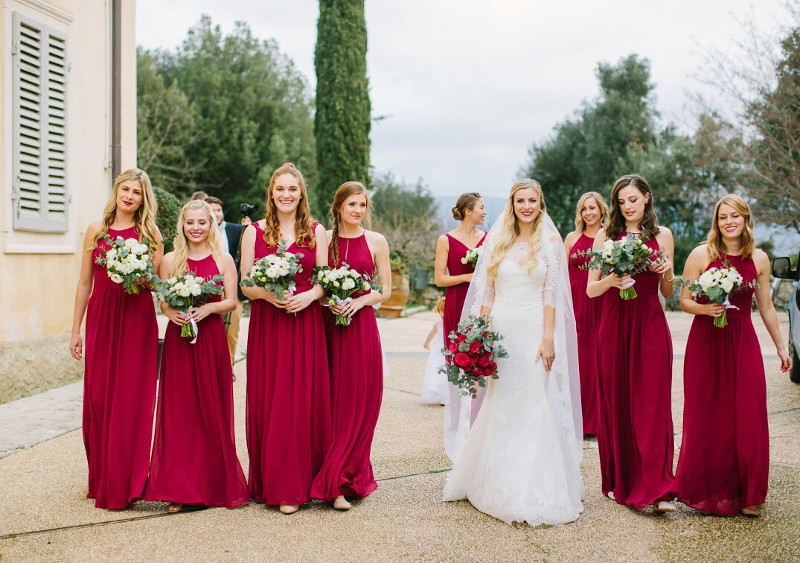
<point x="635" y="437"/>
<point x="724" y="460"/>
<point x="591" y="215"/>
<point x="288" y="386"/>
<point x="194" y="456"/>
<point x="356" y="360"/>
<point x="121" y="350"/>
<point x="454" y="276"/>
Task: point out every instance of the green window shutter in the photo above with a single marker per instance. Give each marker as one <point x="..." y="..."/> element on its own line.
<point x="40" y="192"/>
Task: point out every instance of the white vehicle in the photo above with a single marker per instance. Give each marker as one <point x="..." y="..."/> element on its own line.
<point x="782" y="268"/>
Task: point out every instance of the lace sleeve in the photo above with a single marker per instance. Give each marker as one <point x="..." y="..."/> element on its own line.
<point x="488" y="295"/>
<point x="550" y="281"/>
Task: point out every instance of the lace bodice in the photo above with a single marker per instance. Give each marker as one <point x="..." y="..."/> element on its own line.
<point x="515" y="283"/>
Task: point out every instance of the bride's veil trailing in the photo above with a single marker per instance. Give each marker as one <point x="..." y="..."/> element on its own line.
<point x="564" y="378"/>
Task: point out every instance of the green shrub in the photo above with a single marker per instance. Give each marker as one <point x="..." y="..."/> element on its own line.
<point x="169" y="207"/>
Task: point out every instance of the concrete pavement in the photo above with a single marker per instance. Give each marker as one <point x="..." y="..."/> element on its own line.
<point x="44" y="513"/>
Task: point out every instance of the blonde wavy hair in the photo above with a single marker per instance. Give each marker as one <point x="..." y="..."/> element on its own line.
<point x="716" y="244"/>
<point x="580" y="224"/>
<point x="343" y="193"/>
<point x="509" y="230"/>
<point x="144" y="218"/>
<point x="181" y="243"/>
<point x="303" y="233"/>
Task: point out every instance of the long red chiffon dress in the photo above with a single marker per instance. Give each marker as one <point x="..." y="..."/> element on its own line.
<point x="119" y="387"/>
<point x="194" y="456"/>
<point x="635" y="437"/>
<point x="288" y="392"/>
<point x="724" y="460"/>
<point x="356" y="367"/>
<point x="456" y="294"/>
<point x="587" y="311"/>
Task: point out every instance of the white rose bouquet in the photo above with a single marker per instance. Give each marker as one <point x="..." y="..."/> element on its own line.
<point x="128" y="261"/>
<point x="341" y="283"/>
<point x="471" y="257"/>
<point x="275" y="272"/>
<point x="186" y="291"/>
<point x="625" y="257"/>
<point x="716" y="285"/>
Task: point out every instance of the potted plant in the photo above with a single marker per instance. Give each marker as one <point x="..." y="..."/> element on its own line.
<point x="392" y="307"/>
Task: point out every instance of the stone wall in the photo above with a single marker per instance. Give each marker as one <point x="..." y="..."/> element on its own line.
<point x="33" y="365"/>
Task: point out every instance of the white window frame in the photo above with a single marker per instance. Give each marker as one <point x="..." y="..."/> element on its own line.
<point x="25" y="237"/>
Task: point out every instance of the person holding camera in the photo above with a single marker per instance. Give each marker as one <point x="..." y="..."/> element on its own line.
<point x="230" y="235"/>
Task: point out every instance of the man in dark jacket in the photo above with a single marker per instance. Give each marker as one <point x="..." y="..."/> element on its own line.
<point x="230" y="235"/>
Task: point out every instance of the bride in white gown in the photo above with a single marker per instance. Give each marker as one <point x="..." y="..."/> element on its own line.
<point x="520" y="461"/>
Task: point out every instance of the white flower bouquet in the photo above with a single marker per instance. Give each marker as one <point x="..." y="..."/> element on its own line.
<point x="471" y="257"/>
<point x="275" y="272"/>
<point x="341" y="283"/>
<point x="186" y="291"/>
<point x="625" y="257"/>
<point x="716" y="285"/>
<point x="128" y="261"/>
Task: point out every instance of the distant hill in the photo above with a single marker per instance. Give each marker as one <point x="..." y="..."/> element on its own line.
<point x="494" y="207"/>
<point x="786" y="240"/>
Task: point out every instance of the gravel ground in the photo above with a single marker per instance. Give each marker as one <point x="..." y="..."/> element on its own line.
<point x="44" y="514"/>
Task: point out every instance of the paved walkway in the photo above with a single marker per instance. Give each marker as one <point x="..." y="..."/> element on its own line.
<point x="44" y="514"/>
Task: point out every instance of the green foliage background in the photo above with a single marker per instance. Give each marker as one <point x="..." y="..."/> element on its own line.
<point x="220" y="113"/>
<point x="342" y="122"/>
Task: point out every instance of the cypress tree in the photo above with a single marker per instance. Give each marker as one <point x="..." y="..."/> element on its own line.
<point x="342" y="121"/>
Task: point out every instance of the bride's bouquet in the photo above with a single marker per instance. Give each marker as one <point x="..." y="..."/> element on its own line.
<point x="341" y="283"/>
<point x="128" y="261"/>
<point x="471" y="257"/>
<point x="186" y="291"/>
<point x="470" y="356"/>
<point x="716" y="285"/>
<point x="625" y="257"/>
<point x="275" y="272"/>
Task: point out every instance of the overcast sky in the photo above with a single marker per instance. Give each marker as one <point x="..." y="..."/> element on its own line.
<point x="469" y="85"/>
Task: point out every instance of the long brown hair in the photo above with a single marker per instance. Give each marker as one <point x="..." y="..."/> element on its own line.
<point x="144" y="218"/>
<point x="616" y="222"/>
<point x="303" y="234"/>
<point x="716" y="244"/>
<point x="342" y="194"/>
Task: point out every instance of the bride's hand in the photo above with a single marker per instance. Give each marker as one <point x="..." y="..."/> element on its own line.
<point x="547" y="353"/>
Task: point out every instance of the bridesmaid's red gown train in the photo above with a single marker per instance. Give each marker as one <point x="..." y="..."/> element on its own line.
<point x="288" y="392"/>
<point x="635" y="437"/>
<point x="356" y="366"/>
<point x="724" y="459"/>
<point x="587" y="310"/>
<point x="194" y="456"/>
<point x="119" y="391"/>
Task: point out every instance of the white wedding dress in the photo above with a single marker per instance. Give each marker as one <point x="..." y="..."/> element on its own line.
<point x="518" y="463"/>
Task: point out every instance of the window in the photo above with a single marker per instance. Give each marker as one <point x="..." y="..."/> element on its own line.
<point x="40" y="195"/>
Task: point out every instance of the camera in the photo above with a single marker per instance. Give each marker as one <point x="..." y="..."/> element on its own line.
<point x="248" y="209"/>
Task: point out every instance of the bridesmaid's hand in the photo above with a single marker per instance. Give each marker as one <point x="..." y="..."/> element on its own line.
<point x="201" y="312"/>
<point x="76" y="346"/>
<point x="661" y="266"/>
<point x="177" y="317"/>
<point x="619" y="282"/>
<point x="547" y="353"/>
<point x="299" y="301"/>
<point x="271" y="298"/>
<point x="466" y="278"/>
<point x="348" y="309"/>
<point x="714" y="309"/>
<point x="786" y="360"/>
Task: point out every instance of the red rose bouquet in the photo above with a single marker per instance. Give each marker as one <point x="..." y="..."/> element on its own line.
<point x="470" y="355"/>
